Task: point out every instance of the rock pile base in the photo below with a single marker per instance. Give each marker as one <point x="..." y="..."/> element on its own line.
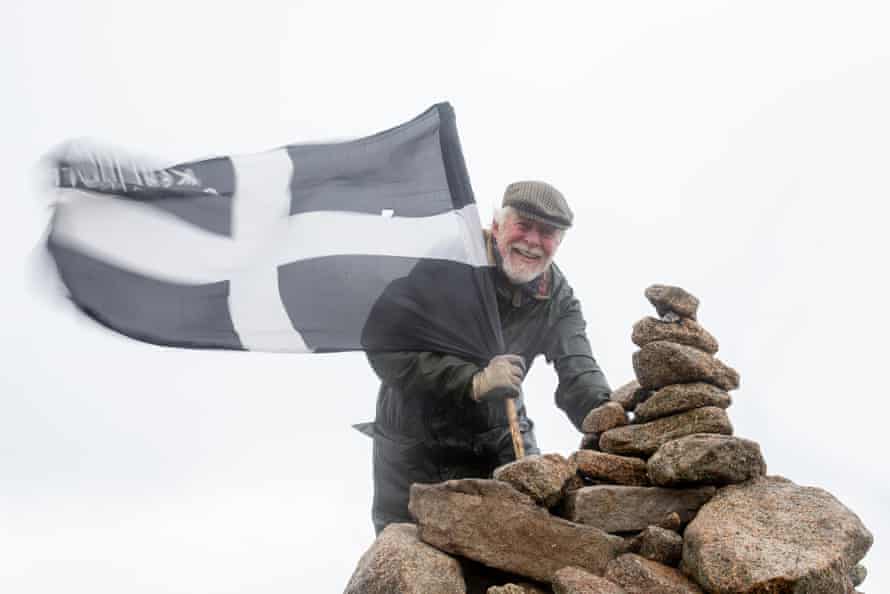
<point x="667" y="501"/>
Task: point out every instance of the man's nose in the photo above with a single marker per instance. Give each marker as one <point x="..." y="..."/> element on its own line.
<point x="533" y="236"/>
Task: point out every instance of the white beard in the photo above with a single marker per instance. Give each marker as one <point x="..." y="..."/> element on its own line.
<point x="518" y="270"/>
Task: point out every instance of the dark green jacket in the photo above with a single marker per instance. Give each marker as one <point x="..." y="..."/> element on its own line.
<point x="426" y="396"/>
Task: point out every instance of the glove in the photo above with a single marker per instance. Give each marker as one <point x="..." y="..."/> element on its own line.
<point x="501" y="379"/>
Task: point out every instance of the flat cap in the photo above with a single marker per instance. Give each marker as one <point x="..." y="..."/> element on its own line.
<point x="539" y="201"/>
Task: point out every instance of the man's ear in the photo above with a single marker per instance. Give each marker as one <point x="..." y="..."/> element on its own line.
<point x="494" y="226"/>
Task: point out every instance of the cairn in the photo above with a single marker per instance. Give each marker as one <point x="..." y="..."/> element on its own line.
<point x="665" y="500"/>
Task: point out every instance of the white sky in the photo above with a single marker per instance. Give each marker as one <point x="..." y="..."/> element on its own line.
<point x="739" y="150"/>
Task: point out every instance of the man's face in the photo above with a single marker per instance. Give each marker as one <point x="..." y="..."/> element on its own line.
<point x="526" y="246"/>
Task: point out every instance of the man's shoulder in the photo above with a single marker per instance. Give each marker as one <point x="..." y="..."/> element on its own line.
<point x="561" y="293"/>
<point x="558" y="279"/>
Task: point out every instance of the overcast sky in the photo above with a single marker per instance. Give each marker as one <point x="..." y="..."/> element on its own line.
<point x="739" y="150"/>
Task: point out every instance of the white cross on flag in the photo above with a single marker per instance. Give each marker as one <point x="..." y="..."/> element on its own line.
<point x="369" y="244"/>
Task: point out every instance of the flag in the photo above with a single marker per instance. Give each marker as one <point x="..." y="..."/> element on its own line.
<point x="369" y="244"/>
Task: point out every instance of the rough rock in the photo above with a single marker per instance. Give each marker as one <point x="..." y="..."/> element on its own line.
<point x="604" y="417"/>
<point x="683" y="331"/>
<point x="645" y="439"/>
<point x="600" y="467"/>
<point x="663" y="363"/>
<point x="573" y="580"/>
<point x="618" y="508"/>
<point x="771" y="535"/>
<point x="543" y="478"/>
<point x="663" y="546"/>
<point x="399" y="563"/>
<point x="516" y="589"/>
<point x="706" y="459"/>
<point x="575" y="483"/>
<point x="629" y="395"/>
<point x="677" y="398"/>
<point x="642" y="576"/>
<point x="493" y="523"/>
<point x="858" y="575"/>
<point x="666" y="299"/>
<point x="480" y="578"/>
<point x="671" y="521"/>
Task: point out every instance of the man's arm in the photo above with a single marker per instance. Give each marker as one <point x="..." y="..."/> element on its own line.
<point x="425" y="373"/>
<point x="450" y="376"/>
<point x="582" y="384"/>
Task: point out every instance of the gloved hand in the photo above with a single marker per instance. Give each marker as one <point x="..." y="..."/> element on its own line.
<point x="500" y="379"/>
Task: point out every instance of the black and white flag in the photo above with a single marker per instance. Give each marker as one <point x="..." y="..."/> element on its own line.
<point x="370" y="244"/>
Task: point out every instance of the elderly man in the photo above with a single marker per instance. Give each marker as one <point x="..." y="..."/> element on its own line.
<point x="440" y="417"/>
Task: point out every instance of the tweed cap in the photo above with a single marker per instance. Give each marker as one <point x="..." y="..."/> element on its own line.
<point x="539" y="201"/>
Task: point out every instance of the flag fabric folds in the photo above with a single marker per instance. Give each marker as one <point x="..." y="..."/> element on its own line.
<point x="370" y="244"/>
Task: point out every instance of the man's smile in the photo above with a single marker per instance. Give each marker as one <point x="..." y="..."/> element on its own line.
<point x="528" y="255"/>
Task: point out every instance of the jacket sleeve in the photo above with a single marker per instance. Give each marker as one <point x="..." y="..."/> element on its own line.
<point x="425" y="373"/>
<point x="582" y="384"/>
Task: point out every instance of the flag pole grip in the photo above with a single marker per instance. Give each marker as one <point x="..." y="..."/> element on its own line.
<point x="518" y="446"/>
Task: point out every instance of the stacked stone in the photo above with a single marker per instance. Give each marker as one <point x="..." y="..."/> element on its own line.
<point x="670" y="425"/>
<point x="662" y="445"/>
<point x="678" y="403"/>
<point x="667" y="502"/>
